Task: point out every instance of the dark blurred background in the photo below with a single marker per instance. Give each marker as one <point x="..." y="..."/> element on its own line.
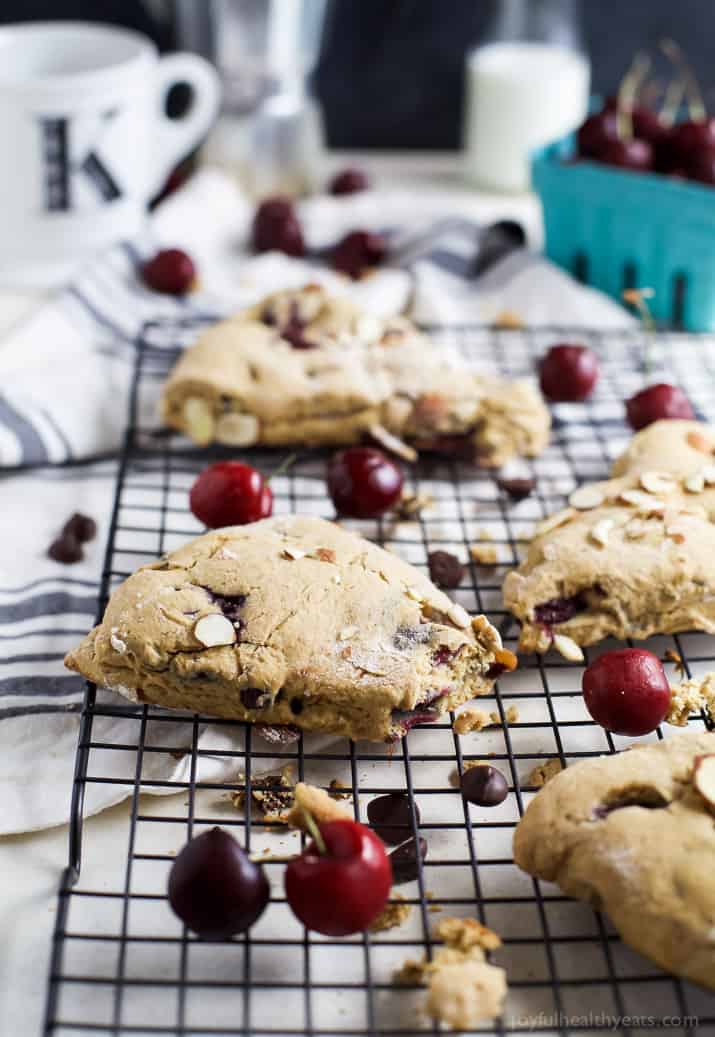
<point x="390" y="73"/>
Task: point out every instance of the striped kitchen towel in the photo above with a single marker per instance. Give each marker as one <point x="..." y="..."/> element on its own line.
<point x="64" y="381"/>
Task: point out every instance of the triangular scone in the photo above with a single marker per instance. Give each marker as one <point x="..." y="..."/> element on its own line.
<point x="292" y="620"/>
<point x="308" y="368"/>
<point x="630" y="557"/>
<point x="633" y="836"/>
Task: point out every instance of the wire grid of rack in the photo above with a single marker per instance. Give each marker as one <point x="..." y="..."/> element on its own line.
<point x="122" y="963"/>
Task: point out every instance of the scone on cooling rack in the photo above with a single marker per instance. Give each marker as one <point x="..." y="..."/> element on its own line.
<point x="634" y="835"/>
<point x="292" y="621"/>
<point x="304" y="367"/>
<point x="630" y="557"/>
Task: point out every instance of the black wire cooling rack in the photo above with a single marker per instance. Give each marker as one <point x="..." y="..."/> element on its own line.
<point x="122" y="963"/>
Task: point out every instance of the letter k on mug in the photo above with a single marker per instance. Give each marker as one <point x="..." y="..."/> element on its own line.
<point x="86" y="139"/>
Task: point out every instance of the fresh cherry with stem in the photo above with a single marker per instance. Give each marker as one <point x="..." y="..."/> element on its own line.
<point x="341" y="881"/>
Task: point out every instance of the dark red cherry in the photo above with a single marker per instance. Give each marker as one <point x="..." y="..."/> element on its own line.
<point x="626" y="691"/>
<point x="702" y="167"/>
<point x="647" y="124"/>
<point x="658" y="403"/>
<point x="568" y="373"/>
<point x="349" y="181"/>
<point x="170" y="271"/>
<point x="230" y="493"/>
<point x="628" y="153"/>
<point x="276" y="226"/>
<point x="214" y="887"/>
<point x="596" y="132"/>
<point x="688" y="139"/>
<point x="363" y="482"/>
<point x="358" y="251"/>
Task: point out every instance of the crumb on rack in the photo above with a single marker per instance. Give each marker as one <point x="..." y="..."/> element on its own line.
<point x="484" y="554"/>
<point x="508" y="320"/>
<point x="463" y="988"/>
<point x="338" y="790"/>
<point x="411" y="505"/>
<point x="316" y="802"/>
<point x="674" y="657"/>
<point x="394" y="913"/>
<point x="544" y="771"/>
<point x="271" y="794"/>
<point x="691" y="696"/>
<point x="471" y="720"/>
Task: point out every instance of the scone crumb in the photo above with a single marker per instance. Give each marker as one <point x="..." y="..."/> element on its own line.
<point x="544" y="771"/>
<point x="325" y="554"/>
<point x="337" y="790"/>
<point x="691" y="696"/>
<point x="411" y="505"/>
<point x="271" y="794"/>
<point x="308" y="799"/>
<point x="394" y="913"/>
<point x="508" y="320"/>
<point x="483" y="554"/>
<point x="471" y="720"/>
<point x="465" y="933"/>
<point x="511" y="716"/>
<point x="674" y="657"/>
<point x="462" y="987"/>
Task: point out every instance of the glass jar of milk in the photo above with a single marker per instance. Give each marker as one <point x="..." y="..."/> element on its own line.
<point x="527" y="84"/>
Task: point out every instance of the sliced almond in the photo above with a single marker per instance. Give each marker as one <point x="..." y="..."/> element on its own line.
<point x="198" y="420"/>
<point x="237" y="429"/>
<point x="214" y="630"/>
<point x="391" y="443"/>
<point x="411" y="592"/>
<point x="568" y="648"/>
<point x="559" y="518"/>
<point x="699" y="442"/>
<point x="708" y="473"/>
<point x="459" y="616"/>
<point x="635" y="529"/>
<point x="117" y="644"/>
<point x="601" y="531"/>
<point x="642" y="501"/>
<point x="293" y="552"/>
<point x="694" y="483"/>
<point x="346" y="633"/>
<point x="224" y="553"/>
<point x="586" y="497"/>
<point x="658" y="482"/>
<point x="704" y="779"/>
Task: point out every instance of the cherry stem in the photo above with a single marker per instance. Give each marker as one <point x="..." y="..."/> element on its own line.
<point x="672" y="102"/>
<point x="312" y="827"/>
<point x="696" y="104"/>
<point x="637" y="297"/>
<point x="282" y="468"/>
<point x="627" y="93"/>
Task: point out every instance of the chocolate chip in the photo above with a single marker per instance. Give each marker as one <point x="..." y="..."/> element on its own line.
<point x="230" y="605"/>
<point x="517" y="489"/>
<point x="484" y="786"/>
<point x="405" y="860"/>
<point x="391" y="818"/>
<point x="81" y="527"/>
<point x="255" y="698"/>
<point x="66" y="549"/>
<point x="296" y="706"/>
<point x="445" y="569"/>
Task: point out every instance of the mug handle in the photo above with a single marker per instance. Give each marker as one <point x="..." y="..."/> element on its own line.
<point x="175" y="138"/>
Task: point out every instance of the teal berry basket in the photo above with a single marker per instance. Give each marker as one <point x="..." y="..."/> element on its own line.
<point x="615" y="229"/>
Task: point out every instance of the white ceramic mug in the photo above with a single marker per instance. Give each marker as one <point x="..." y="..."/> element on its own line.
<point x="86" y="139"/>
